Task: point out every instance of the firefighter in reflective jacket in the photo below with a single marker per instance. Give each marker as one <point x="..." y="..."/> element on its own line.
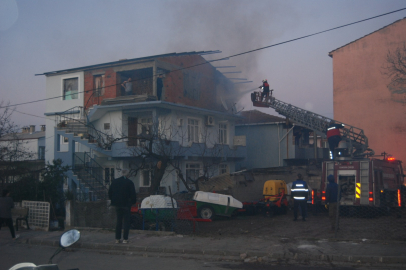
<point x="333" y="137"/>
<point x="300" y="193"/>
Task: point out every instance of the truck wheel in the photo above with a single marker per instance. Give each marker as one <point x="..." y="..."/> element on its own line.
<point x="206" y="212"/>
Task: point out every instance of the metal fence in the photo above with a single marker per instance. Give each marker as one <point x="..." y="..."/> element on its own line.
<point x="350" y="222"/>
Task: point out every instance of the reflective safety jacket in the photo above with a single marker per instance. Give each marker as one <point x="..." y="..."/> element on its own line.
<point x="299" y="190"/>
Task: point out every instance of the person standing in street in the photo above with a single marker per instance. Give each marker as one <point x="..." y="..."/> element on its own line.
<point x="122" y="196"/>
<point x="300" y="194"/>
<point x="332" y="199"/>
<point x="6" y="204"/>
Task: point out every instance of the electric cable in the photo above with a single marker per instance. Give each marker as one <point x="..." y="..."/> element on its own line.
<point x="225" y="58"/>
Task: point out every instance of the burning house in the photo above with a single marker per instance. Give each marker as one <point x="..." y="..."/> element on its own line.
<point x="163" y="117"/>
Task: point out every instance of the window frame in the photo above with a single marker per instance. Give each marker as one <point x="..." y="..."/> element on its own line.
<point x="73" y="96"/>
<point x="222" y="167"/>
<point x="196" y="129"/>
<point x="148" y="169"/>
<point x="223" y="133"/>
<point x="98" y="92"/>
<point x="198" y="169"/>
<point x="140" y="125"/>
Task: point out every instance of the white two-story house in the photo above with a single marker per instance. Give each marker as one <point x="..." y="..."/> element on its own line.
<point x="166" y="111"/>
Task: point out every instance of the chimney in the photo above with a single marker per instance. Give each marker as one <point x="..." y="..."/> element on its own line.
<point x="42" y="127"/>
<point x="32" y="128"/>
<point x="25" y="130"/>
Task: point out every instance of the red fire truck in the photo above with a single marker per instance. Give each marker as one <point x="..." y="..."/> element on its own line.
<point x="363" y="180"/>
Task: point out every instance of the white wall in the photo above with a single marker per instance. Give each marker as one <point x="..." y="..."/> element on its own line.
<point x="54" y="88"/>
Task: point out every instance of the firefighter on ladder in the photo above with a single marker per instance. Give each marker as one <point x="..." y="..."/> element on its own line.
<point x="265" y="90"/>
<point x="333" y="137"/>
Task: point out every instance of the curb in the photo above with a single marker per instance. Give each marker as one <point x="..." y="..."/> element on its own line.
<point x="226" y="255"/>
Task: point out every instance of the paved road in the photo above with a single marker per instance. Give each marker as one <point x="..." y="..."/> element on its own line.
<point x="12" y="253"/>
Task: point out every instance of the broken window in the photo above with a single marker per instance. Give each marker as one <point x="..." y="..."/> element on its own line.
<point x="70" y="88"/>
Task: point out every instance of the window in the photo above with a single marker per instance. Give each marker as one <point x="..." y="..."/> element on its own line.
<point x="223" y="168"/>
<point x="65" y="140"/>
<point x="145" y="129"/>
<point x="106" y="126"/>
<point x="70" y="88"/>
<point x="98" y="85"/>
<point x="147" y="174"/>
<point x="192" y="172"/>
<point x="223" y="133"/>
<point x="193" y="130"/>
<point x="108" y="175"/>
<point x="41" y="152"/>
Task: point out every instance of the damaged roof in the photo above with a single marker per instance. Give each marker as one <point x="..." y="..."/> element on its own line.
<point x="126" y="61"/>
<point x="257" y="117"/>
<point x="331" y="53"/>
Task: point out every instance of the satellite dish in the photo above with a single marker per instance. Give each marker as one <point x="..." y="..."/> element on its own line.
<point x="224" y="104"/>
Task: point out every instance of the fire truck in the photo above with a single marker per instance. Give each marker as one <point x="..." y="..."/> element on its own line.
<point x="363" y="180"/>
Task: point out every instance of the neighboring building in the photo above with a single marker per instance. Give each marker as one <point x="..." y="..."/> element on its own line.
<point x="22" y="153"/>
<point x="364" y="96"/>
<point x="272" y="142"/>
<point x="191" y="120"/>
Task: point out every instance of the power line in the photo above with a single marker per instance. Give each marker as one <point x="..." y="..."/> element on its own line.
<point x="231" y="56"/>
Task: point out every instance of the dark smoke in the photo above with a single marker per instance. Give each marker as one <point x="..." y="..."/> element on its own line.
<point x="229" y="26"/>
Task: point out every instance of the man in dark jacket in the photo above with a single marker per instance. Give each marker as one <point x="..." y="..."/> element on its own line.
<point x="6" y="203"/>
<point x="300" y="194"/>
<point x="265" y="89"/>
<point x="122" y="196"/>
<point x="332" y="199"/>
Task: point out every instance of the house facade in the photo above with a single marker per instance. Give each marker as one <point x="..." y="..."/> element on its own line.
<point x="138" y="114"/>
<point x="274" y="142"/>
<point x="365" y="96"/>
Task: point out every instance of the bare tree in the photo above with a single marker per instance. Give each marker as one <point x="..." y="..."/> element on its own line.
<point x="163" y="146"/>
<point x="395" y="69"/>
<point x="12" y="148"/>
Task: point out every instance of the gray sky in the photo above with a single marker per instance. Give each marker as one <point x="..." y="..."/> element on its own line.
<point x="38" y="36"/>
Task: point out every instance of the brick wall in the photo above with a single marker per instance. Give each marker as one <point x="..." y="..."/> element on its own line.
<point x="112" y="89"/>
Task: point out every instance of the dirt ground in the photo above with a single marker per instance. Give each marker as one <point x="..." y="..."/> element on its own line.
<point x="317" y="225"/>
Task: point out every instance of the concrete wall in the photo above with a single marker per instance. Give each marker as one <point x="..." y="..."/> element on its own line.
<point x="245" y="191"/>
<point x="362" y="97"/>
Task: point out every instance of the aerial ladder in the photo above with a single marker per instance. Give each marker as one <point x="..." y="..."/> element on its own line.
<point x="354" y="142"/>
